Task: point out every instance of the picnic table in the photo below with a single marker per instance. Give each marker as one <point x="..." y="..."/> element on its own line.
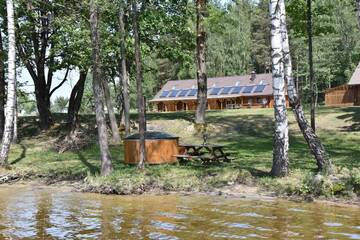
<point x="205" y="152"/>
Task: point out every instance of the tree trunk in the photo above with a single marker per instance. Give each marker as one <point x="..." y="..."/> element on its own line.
<point x="2" y="87"/>
<point x="124" y="75"/>
<point x="112" y="117"/>
<point x="311" y="65"/>
<point x="280" y="165"/>
<point x="43" y="105"/>
<point x="358" y="10"/>
<point x="11" y="90"/>
<point x="140" y="98"/>
<point x="201" y="62"/>
<point x="106" y="164"/>
<point x="75" y="101"/>
<point x="317" y="149"/>
<point x="36" y="66"/>
<point x="15" y="130"/>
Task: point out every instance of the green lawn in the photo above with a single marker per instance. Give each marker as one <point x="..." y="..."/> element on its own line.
<point x="246" y="134"/>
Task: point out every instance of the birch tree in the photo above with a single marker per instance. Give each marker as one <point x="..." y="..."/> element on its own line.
<point x="2" y="87"/>
<point x="280" y="165"/>
<point x="140" y="97"/>
<point x="11" y="89"/>
<point x="106" y="164"/>
<point x="201" y="61"/>
<point x="124" y="74"/>
<point x="315" y="146"/>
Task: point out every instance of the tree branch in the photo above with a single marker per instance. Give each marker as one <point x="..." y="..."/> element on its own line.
<point x="61" y="83"/>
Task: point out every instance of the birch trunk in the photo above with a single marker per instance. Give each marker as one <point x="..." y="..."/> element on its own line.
<point x="317" y="149"/>
<point x="201" y="62"/>
<point x="106" y="164"/>
<point x="2" y="87"/>
<point x="11" y="90"/>
<point x="112" y="117"/>
<point x="15" y="130"/>
<point x="140" y="98"/>
<point x="311" y="65"/>
<point x="280" y="165"/>
<point x="124" y="74"/>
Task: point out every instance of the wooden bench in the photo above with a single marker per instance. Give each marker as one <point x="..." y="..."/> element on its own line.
<point x="185" y="157"/>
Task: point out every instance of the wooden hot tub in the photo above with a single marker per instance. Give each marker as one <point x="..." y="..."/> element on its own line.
<point x="160" y="148"/>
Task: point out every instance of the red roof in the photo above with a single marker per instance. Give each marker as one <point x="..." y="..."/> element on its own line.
<point x="219" y="82"/>
<point x="355" y="79"/>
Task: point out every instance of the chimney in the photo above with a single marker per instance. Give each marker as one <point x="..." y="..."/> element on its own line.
<point x="253" y="76"/>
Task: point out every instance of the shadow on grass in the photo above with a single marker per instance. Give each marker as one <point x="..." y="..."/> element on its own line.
<point x="91" y="168"/>
<point x="22" y="155"/>
<point x="351" y="114"/>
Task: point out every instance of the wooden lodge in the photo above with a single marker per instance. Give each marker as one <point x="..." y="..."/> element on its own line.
<point x="249" y="91"/>
<point x="347" y="94"/>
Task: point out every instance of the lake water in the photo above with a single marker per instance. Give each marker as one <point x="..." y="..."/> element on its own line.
<point x="31" y="212"/>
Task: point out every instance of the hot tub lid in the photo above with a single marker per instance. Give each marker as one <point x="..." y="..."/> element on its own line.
<point x="152" y="135"/>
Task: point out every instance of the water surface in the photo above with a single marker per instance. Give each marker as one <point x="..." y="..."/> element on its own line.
<point x="32" y="212"/>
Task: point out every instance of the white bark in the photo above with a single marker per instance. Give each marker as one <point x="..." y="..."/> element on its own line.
<point x="11" y="91"/>
<point x="15" y="129"/>
<point x="316" y="147"/>
<point x="281" y="133"/>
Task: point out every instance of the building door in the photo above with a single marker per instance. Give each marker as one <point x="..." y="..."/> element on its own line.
<point x="180" y="106"/>
<point x="161" y="107"/>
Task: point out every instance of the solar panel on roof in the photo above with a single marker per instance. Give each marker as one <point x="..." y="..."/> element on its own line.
<point x="164" y="94"/>
<point x="259" y="88"/>
<point x="248" y="89"/>
<point x="183" y="92"/>
<point x="225" y="90"/>
<point x="215" y="91"/>
<point x="174" y="93"/>
<point x="192" y="92"/>
<point x="236" y="90"/>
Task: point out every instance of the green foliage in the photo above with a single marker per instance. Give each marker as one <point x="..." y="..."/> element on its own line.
<point x="336" y="45"/>
<point x="60" y="104"/>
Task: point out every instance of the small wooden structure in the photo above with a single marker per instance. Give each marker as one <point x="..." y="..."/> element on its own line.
<point x="345" y="95"/>
<point x="160" y="148"/>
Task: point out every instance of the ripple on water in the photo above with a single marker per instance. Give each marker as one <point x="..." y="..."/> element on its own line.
<point x="333" y="224"/>
<point x="178" y="216"/>
<point x="161" y="236"/>
<point x="252" y="214"/>
<point x="239" y="225"/>
<point x="166" y="226"/>
<point x="348" y="235"/>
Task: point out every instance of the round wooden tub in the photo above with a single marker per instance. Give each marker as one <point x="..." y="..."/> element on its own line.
<point x="160" y="148"/>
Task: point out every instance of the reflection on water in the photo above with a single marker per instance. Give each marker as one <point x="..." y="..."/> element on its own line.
<point x="35" y="213"/>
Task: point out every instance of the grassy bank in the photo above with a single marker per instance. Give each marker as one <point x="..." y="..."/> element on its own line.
<point x="246" y="134"/>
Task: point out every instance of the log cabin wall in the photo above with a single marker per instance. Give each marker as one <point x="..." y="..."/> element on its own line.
<point x="218" y="104"/>
<point x="343" y="95"/>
